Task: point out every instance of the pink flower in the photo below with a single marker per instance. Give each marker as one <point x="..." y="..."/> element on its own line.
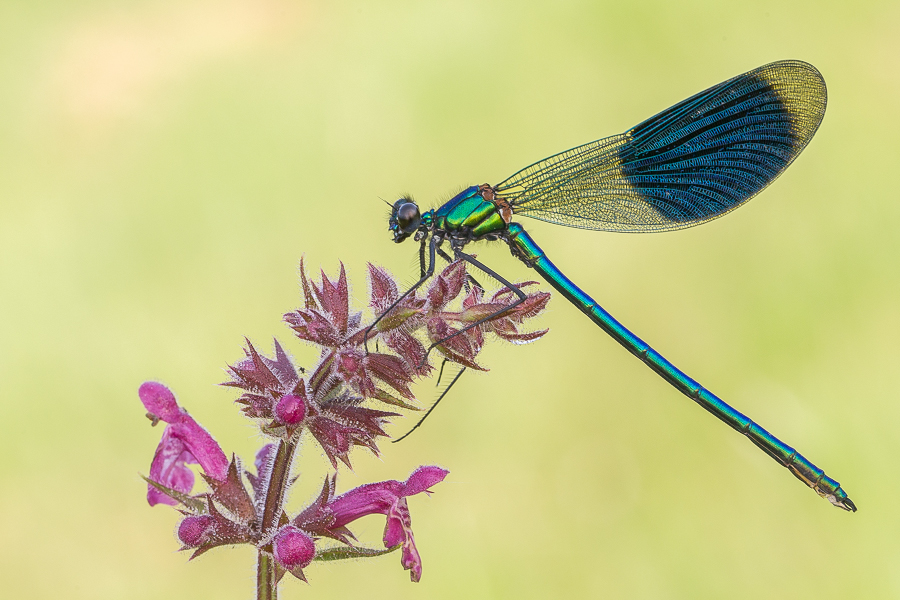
<point x="183" y="442"/>
<point x="387" y="498"/>
<point x="358" y="363"/>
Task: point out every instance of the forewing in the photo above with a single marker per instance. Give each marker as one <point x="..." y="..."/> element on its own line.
<point x="690" y="163"/>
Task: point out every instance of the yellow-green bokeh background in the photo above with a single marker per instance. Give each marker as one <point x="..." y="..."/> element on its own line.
<point x="165" y="163"/>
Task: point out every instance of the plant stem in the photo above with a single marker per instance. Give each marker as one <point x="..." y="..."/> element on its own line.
<point x="281" y="468"/>
<point x="266" y="583"/>
<point x="266" y="586"/>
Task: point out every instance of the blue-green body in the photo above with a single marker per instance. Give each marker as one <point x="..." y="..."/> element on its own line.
<point x="526" y="249"/>
<point x="687" y="165"/>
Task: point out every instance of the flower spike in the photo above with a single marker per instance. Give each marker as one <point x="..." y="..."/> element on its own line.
<point x="332" y="407"/>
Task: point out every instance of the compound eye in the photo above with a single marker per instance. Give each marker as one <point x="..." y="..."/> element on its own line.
<point x="407" y="214"/>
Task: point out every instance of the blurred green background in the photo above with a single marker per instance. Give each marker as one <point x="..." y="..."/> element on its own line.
<point x="164" y="164"/>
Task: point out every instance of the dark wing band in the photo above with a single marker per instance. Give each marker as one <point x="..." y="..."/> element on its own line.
<point x="689" y="164"/>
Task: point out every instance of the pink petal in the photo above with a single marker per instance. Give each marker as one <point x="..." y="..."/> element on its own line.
<point x="183" y="442"/>
<point x="369" y="499"/>
<point x="398" y="530"/>
<point x="422" y="479"/>
<point x="379" y="497"/>
<point x="169" y="467"/>
<point x="202" y="446"/>
<point x="160" y="401"/>
<point x="410" y="558"/>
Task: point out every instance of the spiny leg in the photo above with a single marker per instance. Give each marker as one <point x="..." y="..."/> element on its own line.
<point x="498" y="277"/>
<point x="444" y="255"/>
<point x="472" y="282"/>
<point x="467" y="284"/>
<point x="433" y="406"/>
<point x="469" y="279"/>
<point x="422" y="257"/>
<point x="441" y="372"/>
<point x="428" y="273"/>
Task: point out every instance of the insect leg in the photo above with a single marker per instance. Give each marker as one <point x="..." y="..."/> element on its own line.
<point x="433" y="406"/>
<point x="428" y="273"/>
<point x="498" y="277"/>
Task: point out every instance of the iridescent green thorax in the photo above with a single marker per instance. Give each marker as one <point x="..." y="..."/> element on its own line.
<point x="468" y="214"/>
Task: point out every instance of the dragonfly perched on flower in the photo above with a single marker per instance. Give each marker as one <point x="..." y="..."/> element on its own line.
<point x="689" y="164"/>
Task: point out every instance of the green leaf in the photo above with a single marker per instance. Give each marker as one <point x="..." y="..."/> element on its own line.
<point x="393" y="400"/>
<point x="342" y="553"/>
<point x="196" y="505"/>
<point x="394" y="319"/>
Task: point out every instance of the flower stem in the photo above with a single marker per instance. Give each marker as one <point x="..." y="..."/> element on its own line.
<point x="275" y="493"/>
<point x="266" y="586"/>
<point x="266" y="582"/>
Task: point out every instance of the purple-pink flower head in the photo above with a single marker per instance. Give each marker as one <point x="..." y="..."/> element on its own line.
<point x="326" y="318"/>
<point x="362" y="373"/>
<point x="183" y="442"/>
<point x="388" y="498"/>
<point x="264" y="380"/>
<point x="341" y="426"/>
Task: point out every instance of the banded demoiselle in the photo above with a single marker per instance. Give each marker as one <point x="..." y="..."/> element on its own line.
<point x="689" y="164"/>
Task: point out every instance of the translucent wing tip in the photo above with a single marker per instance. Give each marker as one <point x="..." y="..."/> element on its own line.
<point x="801" y="89"/>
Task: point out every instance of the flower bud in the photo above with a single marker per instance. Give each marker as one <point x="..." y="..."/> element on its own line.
<point x="349" y="362"/>
<point x="195" y="530"/>
<point x="290" y="409"/>
<point x="293" y="548"/>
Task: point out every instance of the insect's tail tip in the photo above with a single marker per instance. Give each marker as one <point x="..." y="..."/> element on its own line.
<point x="842" y="502"/>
